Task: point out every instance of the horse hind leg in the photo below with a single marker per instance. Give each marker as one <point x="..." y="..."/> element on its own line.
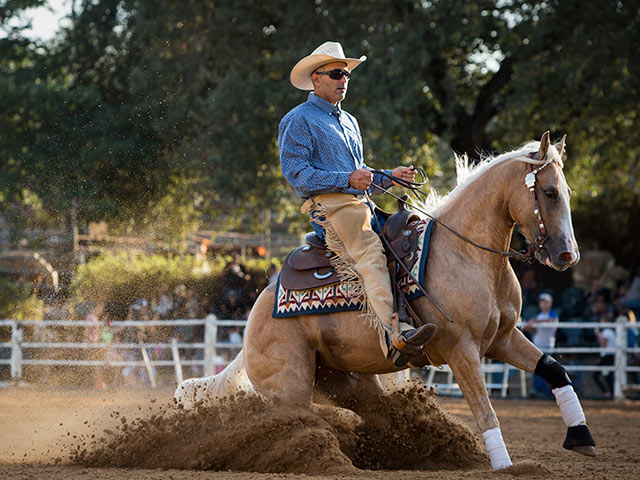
<point x="518" y="351"/>
<point x="205" y="391"/>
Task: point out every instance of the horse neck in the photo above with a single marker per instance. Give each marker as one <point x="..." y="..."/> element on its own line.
<point x="480" y="210"/>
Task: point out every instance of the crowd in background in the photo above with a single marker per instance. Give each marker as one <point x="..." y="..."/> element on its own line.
<point x="542" y="308"/>
<point x="600" y="304"/>
<point x="179" y="302"/>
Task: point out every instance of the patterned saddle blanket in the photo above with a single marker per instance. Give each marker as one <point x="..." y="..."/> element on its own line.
<point x="347" y="295"/>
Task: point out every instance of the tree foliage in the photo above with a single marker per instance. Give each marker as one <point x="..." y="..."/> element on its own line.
<point x="142" y="109"/>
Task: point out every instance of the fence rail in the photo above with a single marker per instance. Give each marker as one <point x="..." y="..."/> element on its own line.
<point x="620" y="367"/>
<point x="210" y="346"/>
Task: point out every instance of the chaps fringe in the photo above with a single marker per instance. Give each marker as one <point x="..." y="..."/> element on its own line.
<point x="343" y="264"/>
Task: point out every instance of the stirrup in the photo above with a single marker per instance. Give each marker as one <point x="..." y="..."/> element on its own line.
<point x="407" y="346"/>
<point x="414" y="338"/>
<point x="418" y="360"/>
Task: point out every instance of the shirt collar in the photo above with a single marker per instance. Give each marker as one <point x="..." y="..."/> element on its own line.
<point x="324" y="105"/>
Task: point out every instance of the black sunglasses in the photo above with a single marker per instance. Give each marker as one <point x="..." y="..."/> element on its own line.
<point x="336" y="74"/>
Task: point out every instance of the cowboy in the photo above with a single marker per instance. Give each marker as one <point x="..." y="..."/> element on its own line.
<point x="322" y="158"/>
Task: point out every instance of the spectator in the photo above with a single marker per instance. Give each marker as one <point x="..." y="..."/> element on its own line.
<point x="231" y="307"/>
<point x="163" y="304"/>
<point x="187" y="308"/>
<point x="235" y="278"/>
<point x="598" y="310"/>
<point x="606" y="339"/>
<point x="93" y="334"/>
<point x="235" y="337"/>
<point x="623" y="313"/>
<point x="180" y="297"/>
<point x="138" y="311"/>
<point x="631" y="297"/>
<point x="544" y="337"/>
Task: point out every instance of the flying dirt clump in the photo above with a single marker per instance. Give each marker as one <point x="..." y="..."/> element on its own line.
<point x="405" y="430"/>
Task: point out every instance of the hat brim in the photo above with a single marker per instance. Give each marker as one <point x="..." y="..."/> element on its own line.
<point x="301" y="74"/>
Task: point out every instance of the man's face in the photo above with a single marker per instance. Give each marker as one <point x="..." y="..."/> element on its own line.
<point x="325" y="87"/>
<point x="544" y="304"/>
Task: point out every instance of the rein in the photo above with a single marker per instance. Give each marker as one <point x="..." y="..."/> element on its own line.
<point x="530" y="182"/>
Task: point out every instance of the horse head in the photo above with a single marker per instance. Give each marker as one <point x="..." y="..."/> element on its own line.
<point x="543" y="211"/>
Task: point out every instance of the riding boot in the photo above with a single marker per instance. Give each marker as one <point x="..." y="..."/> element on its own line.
<point x="407" y="347"/>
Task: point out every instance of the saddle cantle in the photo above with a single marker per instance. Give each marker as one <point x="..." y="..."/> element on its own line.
<point x="310" y="267"/>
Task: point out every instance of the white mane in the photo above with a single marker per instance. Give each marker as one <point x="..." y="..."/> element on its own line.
<point x="466" y="172"/>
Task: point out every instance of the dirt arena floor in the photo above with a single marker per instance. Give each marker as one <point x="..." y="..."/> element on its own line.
<point x="55" y="434"/>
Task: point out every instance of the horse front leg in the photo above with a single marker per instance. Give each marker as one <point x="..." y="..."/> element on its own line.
<point x="518" y="351"/>
<point x="466" y="366"/>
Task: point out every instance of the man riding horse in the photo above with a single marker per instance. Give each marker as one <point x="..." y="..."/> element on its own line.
<point x="322" y="158"/>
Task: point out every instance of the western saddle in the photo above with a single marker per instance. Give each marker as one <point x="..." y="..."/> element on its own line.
<point x="309" y="266"/>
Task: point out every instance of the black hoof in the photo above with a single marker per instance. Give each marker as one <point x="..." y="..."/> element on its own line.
<point x="587" y="450"/>
<point x="579" y="440"/>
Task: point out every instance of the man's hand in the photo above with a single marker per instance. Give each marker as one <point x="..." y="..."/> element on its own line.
<point x="360" y="179"/>
<point x="405" y="173"/>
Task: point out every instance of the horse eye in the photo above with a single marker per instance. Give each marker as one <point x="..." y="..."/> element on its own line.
<point x="551" y="193"/>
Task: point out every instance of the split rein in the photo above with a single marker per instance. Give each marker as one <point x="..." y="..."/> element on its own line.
<point x="414" y="187"/>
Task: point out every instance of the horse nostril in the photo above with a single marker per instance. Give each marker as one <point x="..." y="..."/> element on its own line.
<point x="566" y="257"/>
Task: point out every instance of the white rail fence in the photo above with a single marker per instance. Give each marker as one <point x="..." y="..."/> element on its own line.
<point x="210" y="347"/>
<point x="620" y="368"/>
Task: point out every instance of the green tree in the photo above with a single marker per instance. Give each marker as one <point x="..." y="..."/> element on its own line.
<point x="143" y="108"/>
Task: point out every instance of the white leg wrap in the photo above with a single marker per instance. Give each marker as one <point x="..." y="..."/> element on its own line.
<point x="496" y="449"/>
<point x="569" y="404"/>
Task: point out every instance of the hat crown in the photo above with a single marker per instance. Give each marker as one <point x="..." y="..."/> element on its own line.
<point x="331" y="49"/>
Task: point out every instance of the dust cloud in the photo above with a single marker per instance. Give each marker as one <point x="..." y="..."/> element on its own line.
<point x="406" y="430"/>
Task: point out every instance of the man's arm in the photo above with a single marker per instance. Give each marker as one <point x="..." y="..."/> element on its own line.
<point x="296" y="148"/>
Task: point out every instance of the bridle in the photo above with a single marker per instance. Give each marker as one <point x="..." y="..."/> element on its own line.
<point x="414" y="187"/>
<point x="530" y="182"/>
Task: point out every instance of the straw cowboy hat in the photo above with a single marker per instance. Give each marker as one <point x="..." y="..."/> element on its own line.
<point x="328" y="52"/>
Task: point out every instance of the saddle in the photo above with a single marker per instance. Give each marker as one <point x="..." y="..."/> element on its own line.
<point x="309" y="266"/>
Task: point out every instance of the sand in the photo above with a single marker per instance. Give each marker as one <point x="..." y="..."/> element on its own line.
<point x="138" y="434"/>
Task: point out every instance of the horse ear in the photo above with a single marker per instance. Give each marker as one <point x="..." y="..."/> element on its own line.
<point x="544" y="145"/>
<point x="561" y="147"/>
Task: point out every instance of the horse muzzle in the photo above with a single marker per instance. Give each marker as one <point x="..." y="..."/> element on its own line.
<point x="558" y="257"/>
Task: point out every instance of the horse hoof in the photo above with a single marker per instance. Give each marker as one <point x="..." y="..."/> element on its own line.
<point x="587" y="450"/>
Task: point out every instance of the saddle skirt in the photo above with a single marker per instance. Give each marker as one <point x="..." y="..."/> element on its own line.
<point x="308" y="284"/>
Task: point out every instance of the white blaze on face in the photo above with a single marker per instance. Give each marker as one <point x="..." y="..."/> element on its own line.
<point x="566" y="225"/>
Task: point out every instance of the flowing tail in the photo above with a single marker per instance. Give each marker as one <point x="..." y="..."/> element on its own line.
<point x="205" y="391"/>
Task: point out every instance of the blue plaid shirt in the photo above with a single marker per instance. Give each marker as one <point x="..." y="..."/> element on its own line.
<point x="320" y="145"/>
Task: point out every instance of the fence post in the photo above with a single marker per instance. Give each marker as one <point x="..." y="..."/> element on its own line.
<point x="177" y="363"/>
<point x="16" y="352"/>
<point x="620" y="359"/>
<point x="210" y="339"/>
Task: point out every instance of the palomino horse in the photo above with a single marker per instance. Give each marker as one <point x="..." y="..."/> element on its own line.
<point x="477" y="288"/>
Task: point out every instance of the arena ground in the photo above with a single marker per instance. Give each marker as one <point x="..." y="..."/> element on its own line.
<point x="44" y="433"/>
